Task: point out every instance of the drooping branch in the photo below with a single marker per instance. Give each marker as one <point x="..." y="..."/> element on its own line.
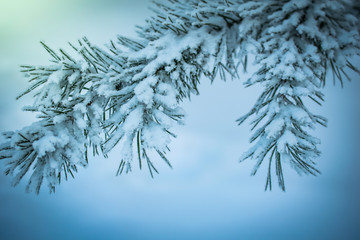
<point x="296" y="43"/>
<point x="129" y="94"/>
<point x="126" y="95"/>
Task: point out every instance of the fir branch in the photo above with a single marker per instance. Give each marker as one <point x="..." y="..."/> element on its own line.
<point x="130" y="93"/>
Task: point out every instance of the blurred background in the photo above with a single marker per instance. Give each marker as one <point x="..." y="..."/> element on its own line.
<point x="208" y="194"/>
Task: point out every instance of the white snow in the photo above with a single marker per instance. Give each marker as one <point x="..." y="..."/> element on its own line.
<point x="133" y="120"/>
<point x="154" y="136"/>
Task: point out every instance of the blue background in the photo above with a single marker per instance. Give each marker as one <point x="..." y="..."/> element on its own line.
<point x="208" y="194"/>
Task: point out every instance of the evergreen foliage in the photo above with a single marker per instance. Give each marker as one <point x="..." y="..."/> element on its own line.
<point x="130" y="93"/>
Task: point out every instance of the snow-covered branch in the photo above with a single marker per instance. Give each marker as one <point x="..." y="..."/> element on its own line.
<point x="129" y="94"/>
<point x="296" y="43"/>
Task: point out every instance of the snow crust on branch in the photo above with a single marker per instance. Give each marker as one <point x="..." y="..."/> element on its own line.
<point x="130" y="93"/>
<point x="296" y="42"/>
